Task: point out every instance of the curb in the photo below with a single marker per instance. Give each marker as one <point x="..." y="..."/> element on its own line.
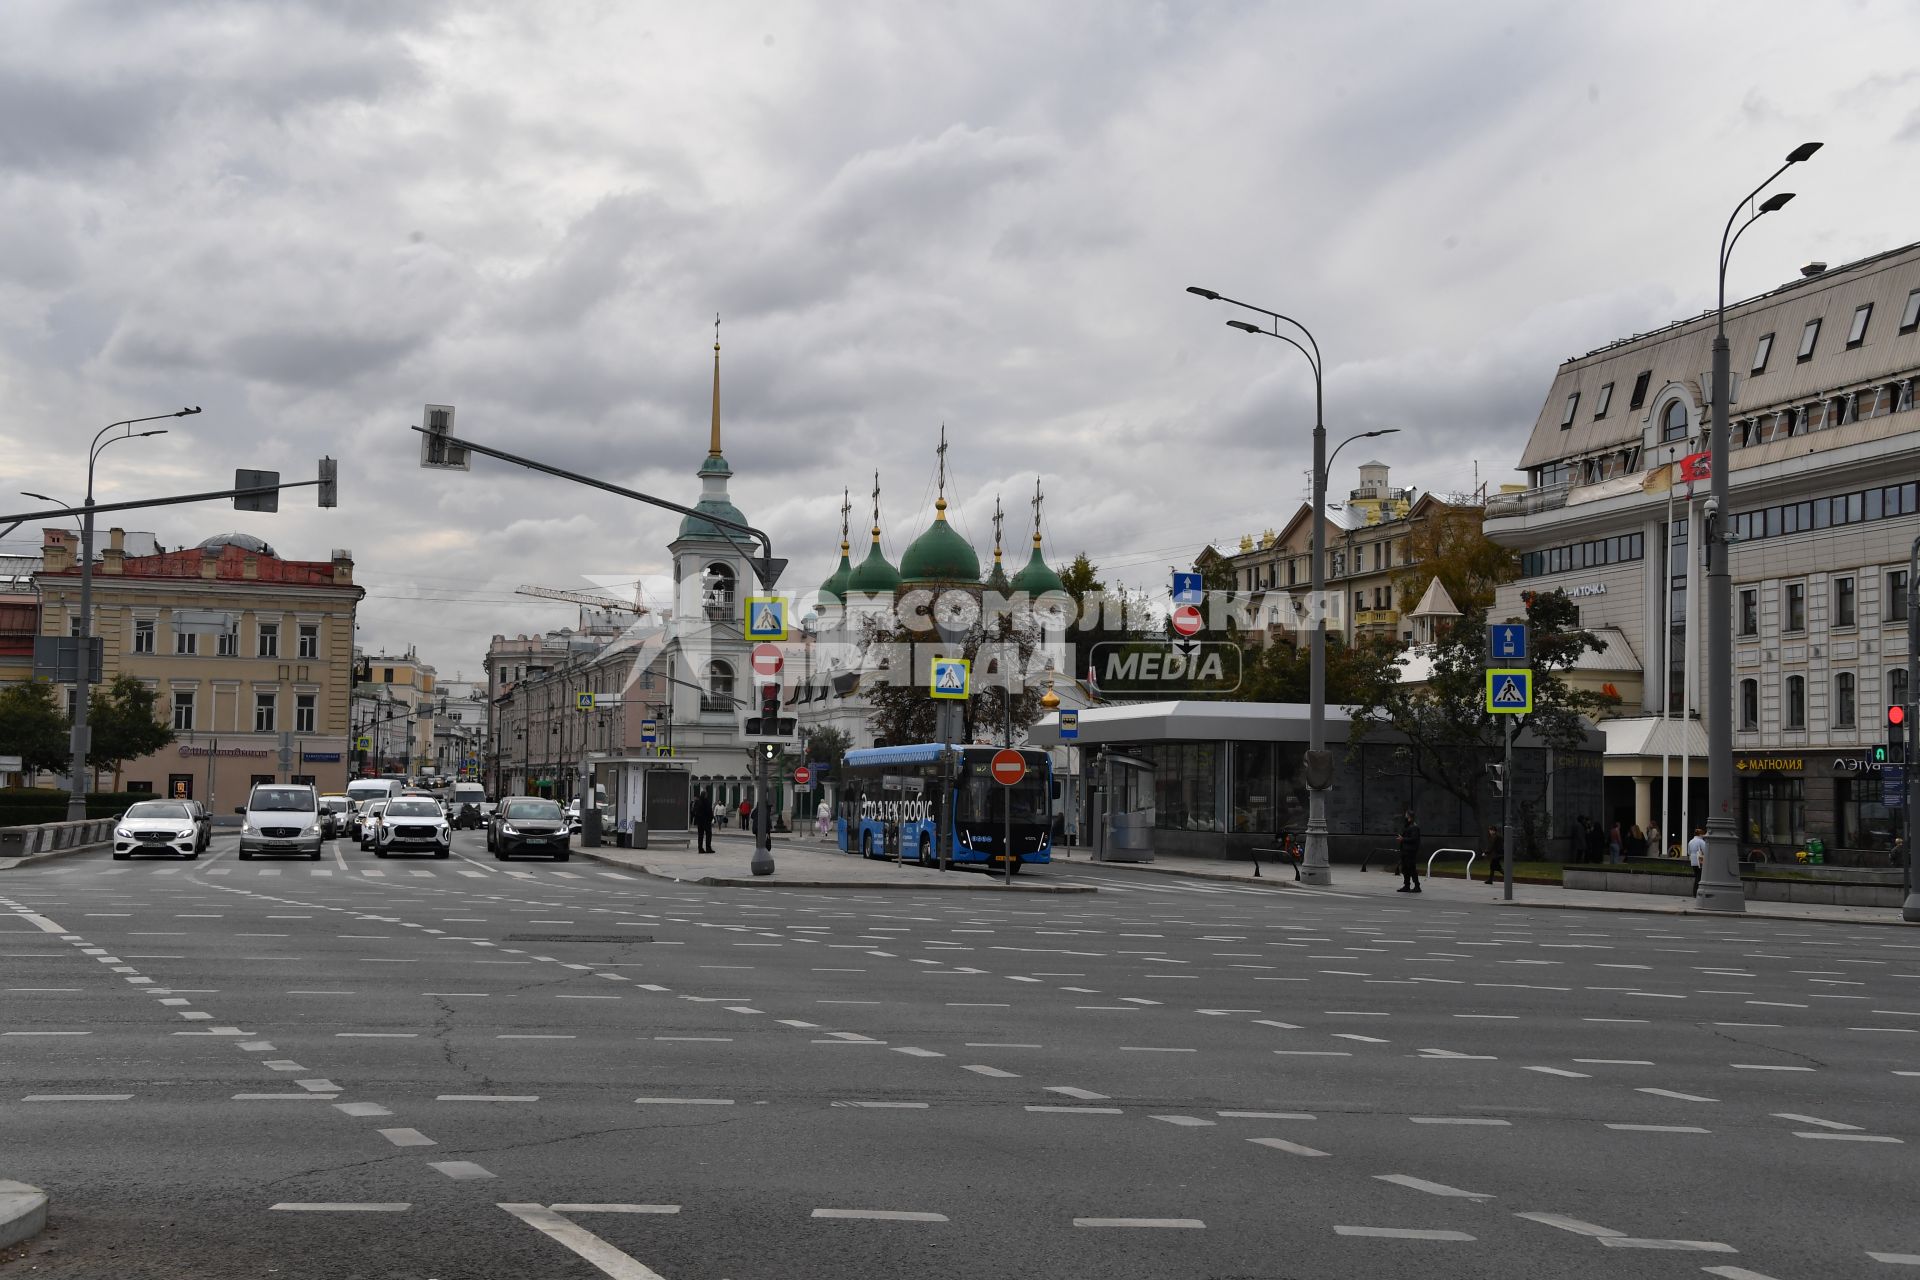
<point x="761" y="882"/>
<point x="23" y="1212"/>
<point x="1705" y="915"/>
<point x="9" y="864"/>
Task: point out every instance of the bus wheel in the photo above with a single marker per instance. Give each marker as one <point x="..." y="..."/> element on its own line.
<point x="926" y="852"/>
<point x="866" y="844"/>
<point x="1018" y="862"/>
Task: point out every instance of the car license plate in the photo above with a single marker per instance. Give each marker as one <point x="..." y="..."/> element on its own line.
<point x="280" y="844"/>
<point x="153" y="844"/>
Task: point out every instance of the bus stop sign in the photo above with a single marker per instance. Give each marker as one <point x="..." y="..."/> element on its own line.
<point x="1008" y="767"/>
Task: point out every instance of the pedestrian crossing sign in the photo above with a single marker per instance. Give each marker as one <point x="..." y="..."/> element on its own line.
<point x="1510" y="692"/>
<point x="766" y="618"/>
<point x="363" y="743"/>
<point x="952" y="678"/>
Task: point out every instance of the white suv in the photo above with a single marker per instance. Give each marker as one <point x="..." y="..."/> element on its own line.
<point x="280" y="817"/>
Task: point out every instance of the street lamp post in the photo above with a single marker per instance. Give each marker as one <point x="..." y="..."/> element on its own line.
<point x="1720" y="888"/>
<point x="1316" y="867"/>
<point x="83" y="675"/>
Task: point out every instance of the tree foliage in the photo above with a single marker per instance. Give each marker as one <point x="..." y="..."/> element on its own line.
<point x="1283" y="671"/>
<point x="1450" y="544"/>
<point x="33" y="727"/>
<point x="901" y="709"/>
<point x="125" y="724"/>
<point x="1450" y="734"/>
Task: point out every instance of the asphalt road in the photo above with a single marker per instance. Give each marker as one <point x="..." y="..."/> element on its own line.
<point x="458" y="1069"/>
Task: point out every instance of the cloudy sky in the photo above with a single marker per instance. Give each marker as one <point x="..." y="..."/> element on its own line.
<point x="311" y="218"/>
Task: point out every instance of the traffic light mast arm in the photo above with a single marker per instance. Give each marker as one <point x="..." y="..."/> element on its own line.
<point x="766" y="567"/>
<point x="139" y="503"/>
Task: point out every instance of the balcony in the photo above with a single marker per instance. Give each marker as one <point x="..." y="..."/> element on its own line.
<point x="1546" y="498"/>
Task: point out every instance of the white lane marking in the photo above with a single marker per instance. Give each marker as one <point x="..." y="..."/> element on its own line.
<point x="407" y="1138"/>
<point x="1079" y="1111"/>
<point x="1556" y="1071"/>
<point x="1659" y="1128"/>
<point x="1897" y="1259"/>
<point x="40" y="922"/>
<point x="376" y="1035"/>
<point x="1614" y="1062"/>
<point x="1460" y="1120"/>
<point x="487" y="1097"/>
<point x="1313" y="1053"/>
<point x="1669" y="1093"/>
<point x="1400" y="1233"/>
<point x="880" y="1215"/>
<point x="362" y="1108"/>
<point x="995" y="1072"/>
<point x="912" y="1052"/>
<point x="1188" y="1121"/>
<point x="1269" y="1022"/>
<point x="1764" y="1066"/>
<point x="459" y="1170"/>
<point x="1265" y="1115"/>
<point x="284" y="1097"/>
<point x="615" y="1208"/>
<point x="1565" y="1223"/>
<point x="339" y="1207"/>
<point x="1735" y="1273"/>
<point x="1281" y="1144"/>
<point x="1849" y="1137"/>
<point x="1143" y="1048"/>
<point x="61" y="1033"/>
<point x="701" y="1039"/>
<point x="1689" y="1246"/>
<point x="1816" y="1121"/>
<point x="1431" y="1188"/>
<point x="592" y="1248"/>
<point x="886" y="1106"/>
<point x="685" y="1102"/>
<point x="77" y="1097"/>
<point x="1085" y="1095"/>
<point x="1187" y="1223"/>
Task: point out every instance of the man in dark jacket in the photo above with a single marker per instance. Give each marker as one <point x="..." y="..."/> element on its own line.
<point x="1409" y="845"/>
<point x="703" y="821"/>
<point x="1496" y="851"/>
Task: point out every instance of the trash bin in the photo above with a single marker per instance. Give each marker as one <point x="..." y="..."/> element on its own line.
<point x="639" y="836"/>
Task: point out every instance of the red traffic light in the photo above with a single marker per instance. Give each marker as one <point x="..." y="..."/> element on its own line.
<point x="1896" y="715"/>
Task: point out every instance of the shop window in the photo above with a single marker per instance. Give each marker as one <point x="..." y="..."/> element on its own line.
<point x="1185" y="778"/>
<point x="1862" y="821"/>
<point x="1774" y="810"/>
<point x="1253" y="809"/>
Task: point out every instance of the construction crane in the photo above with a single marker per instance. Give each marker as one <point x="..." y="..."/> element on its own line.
<point x="582" y="597"/>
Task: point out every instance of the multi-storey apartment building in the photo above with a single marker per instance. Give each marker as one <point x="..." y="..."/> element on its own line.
<point x="250" y="654"/>
<point x="393" y="713"/>
<point x="1825" y="452"/>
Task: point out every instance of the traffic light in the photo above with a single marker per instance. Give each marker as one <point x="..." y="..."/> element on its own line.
<point x="1497" y="775"/>
<point x="1896" y="749"/>
<point x="329" y="483"/>
<point x="763" y="720"/>
<point x="245" y="479"/>
<point x="769" y="702"/>
<point x="437" y="452"/>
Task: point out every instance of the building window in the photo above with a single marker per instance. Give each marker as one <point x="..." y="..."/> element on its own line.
<point x="304" y="710"/>
<point x="717" y="586"/>
<point x="1796" y="607"/>
<point x="263" y="708"/>
<point x="185" y="642"/>
<point x="1796" y="710"/>
<point x="1857" y="334"/>
<point x="1910" y="317"/>
<point x="1185" y="784"/>
<point x="1864" y="822"/>
<point x="183" y="709"/>
<point x="1673" y="421"/>
<point x="143" y="635"/>
<point x="269" y="640"/>
<point x="1606" y="399"/>
<point x="1566" y="414"/>
<point x="1809" y="336"/>
<point x="1253" y="809"/>
<point x="1843" y="602"/>
<point x="719" y="694"/>
<point x="1897" y="596"/>
<point x="1749" y="704"/>
<point x="386" y="675"/>
<point x="1775" y="810"/>
<point x="1762" y="352"/>
<point x="1640" y="390"/>
<point x="310" y="640"/>
<point x="1749" y="611"/>
<point x="227" y="644"/>
<point x="1843" y="700"/>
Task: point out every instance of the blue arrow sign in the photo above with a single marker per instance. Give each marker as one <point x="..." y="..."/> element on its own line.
<point x="1187" y="588"/>
<point x="1507" y="642"/>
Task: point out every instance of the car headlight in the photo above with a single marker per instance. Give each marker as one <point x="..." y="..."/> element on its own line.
<point x="121" y="833"/>
<point x="508" y="829"/>
<point x="246" y="826"/>
<point x="313" y="830"/>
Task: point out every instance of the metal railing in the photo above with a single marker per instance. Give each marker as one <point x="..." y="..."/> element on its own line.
<point x="1471" y="855"/>
<point x="1546" y="498"/>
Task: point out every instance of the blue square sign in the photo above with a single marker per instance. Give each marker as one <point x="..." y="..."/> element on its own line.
<point x="1507" y="642"/>
<point x="1069" y="725"/>
<point x="1187" y="588"/>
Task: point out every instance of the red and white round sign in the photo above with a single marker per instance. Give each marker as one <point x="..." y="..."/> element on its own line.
<point x="1008" y="766"/>
<point x="767" y="660"/>
<point x="802" y="776"/>
<point x="1186" y="620"/>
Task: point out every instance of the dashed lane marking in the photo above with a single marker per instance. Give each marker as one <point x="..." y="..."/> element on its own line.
<point x="1669" y="1093"/>
<point x="615" y="1208"/>
<point x="1176" y="1223"/>
<point x="1265" y="1115"/>
<point x="684" y="1102"/>
<point x="407" y="1138"/>
<point x="1687" y="1246"/>
<point x="1481" y="1120"/>
<point x="1564" y="1223"/>
<point x="1816" y="1121"/>
<point x="1897" y="1259"/>
<point x="1556" y="1071"/>
<point x="880" y="1215"/>
<point x="618" y="1265"/>
<point x="1735" y="1273"/>
<point x="339" y="1207"/>
<point x="1659" y="1128"/>
<point x="487" y="1097"/>
<point x="1187" y="1121"/>
<point x="460" y="1170"/>
<point x="1849" y="1137"/>
<point x="1431" y="1188"/>
<point x="77" y="1097"/>
<point x="1085" y="1095"/>
<point x="994" y="1072"/>
<point x="1281" y="1144"/>
<point x="1400" y="1233"/>
<point x="1079" y="1111"/>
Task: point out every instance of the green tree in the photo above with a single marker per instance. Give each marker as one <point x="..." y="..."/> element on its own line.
<point x="902" y="711"/>
<point x="1450" y="735"/>
<point x="33" y="727"/>
<point x="1451" y="544"/>
<point x="125" y="723"/>
<point x="1283" y="672"/>
<point x="1113" y="616"/>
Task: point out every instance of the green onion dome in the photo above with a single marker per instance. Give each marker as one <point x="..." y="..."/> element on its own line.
<point x="940" y="556"/>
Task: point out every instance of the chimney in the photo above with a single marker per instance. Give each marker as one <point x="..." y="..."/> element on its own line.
<point x="210" y="562"/>
<point x="114" y="559"/>
<point x="342" y="567"/>
<point x="56" y="552"/>
<point x="1813" y="269"/>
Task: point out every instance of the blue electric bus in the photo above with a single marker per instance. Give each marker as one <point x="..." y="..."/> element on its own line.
<point x="904" y="786"/>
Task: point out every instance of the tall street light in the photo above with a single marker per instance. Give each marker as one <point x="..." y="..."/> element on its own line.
<point x="83" y="676"/>
<point x="1315" y="866"/>
<point x="1720" y="888"/>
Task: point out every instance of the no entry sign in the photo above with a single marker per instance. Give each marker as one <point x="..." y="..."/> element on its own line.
<point x="802" y="776"/>
<point x="767" y="660"/>
<point x="1186" y="620"/>
<point x="1008" y="767"/>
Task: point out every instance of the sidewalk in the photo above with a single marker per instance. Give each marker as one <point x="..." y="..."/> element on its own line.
<point x="1350" y="879"/>
<point x="802" y="862"/>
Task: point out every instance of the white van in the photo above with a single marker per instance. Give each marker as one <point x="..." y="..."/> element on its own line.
<point x="280" y="817"/>
<point x="361" y="790"/>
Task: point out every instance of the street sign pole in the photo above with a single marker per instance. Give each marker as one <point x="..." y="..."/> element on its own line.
<point x="1508" y="645"/>
<point x="1910" y="908"/>
<point x="1506" y="815"/>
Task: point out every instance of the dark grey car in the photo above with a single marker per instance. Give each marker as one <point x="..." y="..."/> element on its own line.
<point x="527" y="824"/>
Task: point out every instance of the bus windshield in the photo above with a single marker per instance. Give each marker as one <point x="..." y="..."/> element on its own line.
<point x="982" y="800"/>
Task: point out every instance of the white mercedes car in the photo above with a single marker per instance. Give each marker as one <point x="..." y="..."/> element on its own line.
<point x="157" y="826"/>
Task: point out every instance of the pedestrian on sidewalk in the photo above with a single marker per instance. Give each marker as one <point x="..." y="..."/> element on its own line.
<point x="1409" y="856"/>
<point x="703" y="821"/>
<point x="1697" y="855"/>
<point x="1496" y="850"/>
<point x="746" y="815"/>
<point x="1614" y="843"/>
<point x="822" y="814"/>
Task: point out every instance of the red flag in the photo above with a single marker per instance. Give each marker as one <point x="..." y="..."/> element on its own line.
<point x="1695" y="466"/>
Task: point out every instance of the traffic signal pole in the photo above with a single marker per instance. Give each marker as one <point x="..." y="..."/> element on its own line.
<point x="1910" y="909"/>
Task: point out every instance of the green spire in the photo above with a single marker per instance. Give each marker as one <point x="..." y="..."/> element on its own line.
<point x="874" y="576"/>
<point x="1037" y="579"/>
